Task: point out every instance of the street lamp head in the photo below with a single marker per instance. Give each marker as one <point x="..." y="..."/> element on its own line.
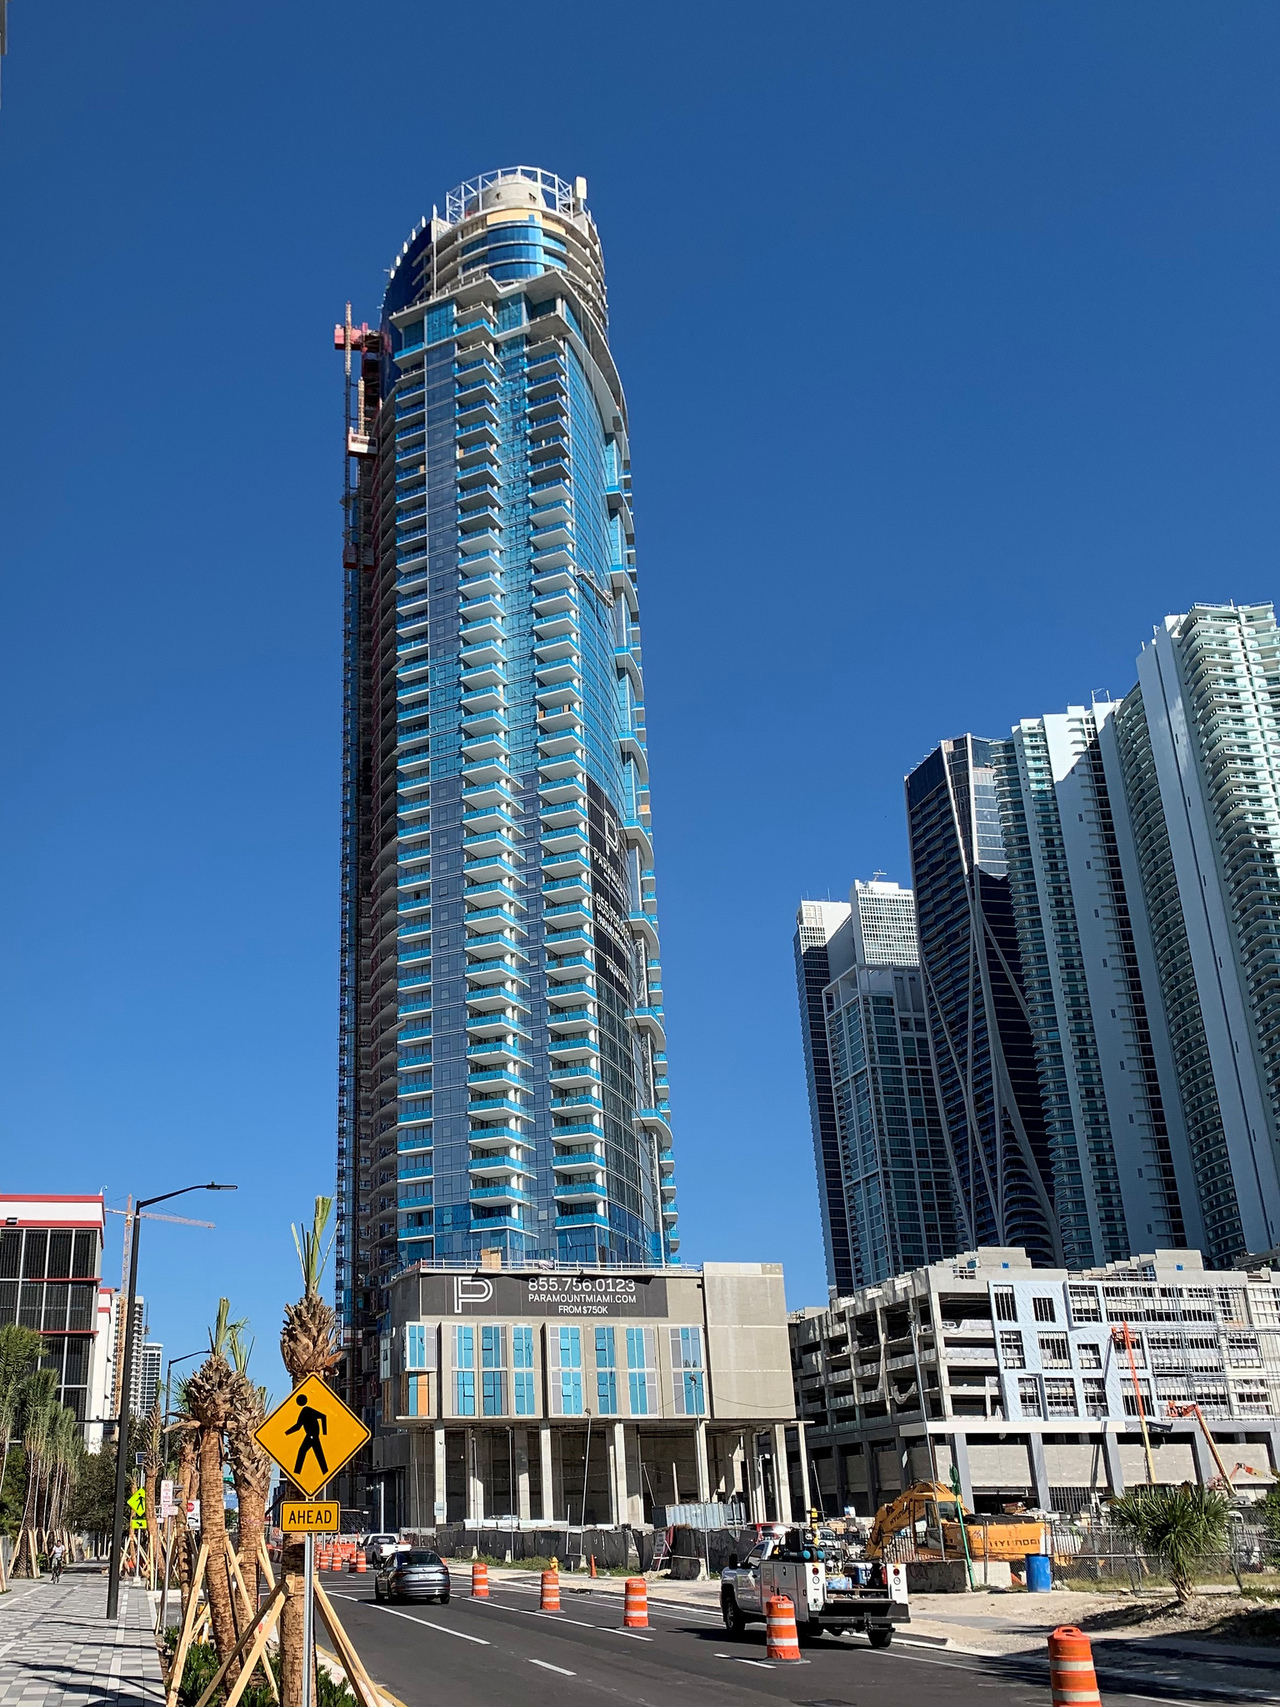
<point x="212" y="1187"/>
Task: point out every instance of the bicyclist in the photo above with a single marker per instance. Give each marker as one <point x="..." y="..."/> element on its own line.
<point x="57" y="1558"/>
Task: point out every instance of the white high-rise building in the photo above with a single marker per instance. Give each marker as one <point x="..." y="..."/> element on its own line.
<point x="1196" y="750"/>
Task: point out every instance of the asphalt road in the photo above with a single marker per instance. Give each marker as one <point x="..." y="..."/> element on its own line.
<point x="473" y="1652"/>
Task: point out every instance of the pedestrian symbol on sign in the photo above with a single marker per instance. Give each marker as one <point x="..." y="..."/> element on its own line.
<point x="313" y="1424"/>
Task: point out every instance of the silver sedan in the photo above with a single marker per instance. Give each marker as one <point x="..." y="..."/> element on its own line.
<point x="414" y="1575"/>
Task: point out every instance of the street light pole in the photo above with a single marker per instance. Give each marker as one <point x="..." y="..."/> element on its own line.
<point x="168" y="1379"/>
<point x="122" y="1425"/>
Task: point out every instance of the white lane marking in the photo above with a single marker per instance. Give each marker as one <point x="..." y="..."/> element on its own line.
<point x="559" y="1618"/>
<point x="445" y="1629"/>
<point x="657" y="1608"/>
<point x="765" y="1665"/>
<point x="547" y="1666"/>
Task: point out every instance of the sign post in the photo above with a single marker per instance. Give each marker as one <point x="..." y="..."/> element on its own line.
<point x="311" y="1436"/>
<point x="309" y="1620"/>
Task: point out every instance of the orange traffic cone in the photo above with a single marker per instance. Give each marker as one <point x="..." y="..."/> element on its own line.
<point x="782" y="1641"/>
<point x="480" y="1580"/>
<point x="550" y="1601"/>
<point x="636" y="1613"/>
<point x="1072" y="1679"/>
<point x="361" y="1562"/>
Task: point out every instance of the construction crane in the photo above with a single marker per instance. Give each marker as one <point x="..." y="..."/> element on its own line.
<point x="147" y="1215"/>
<point x="1198" y="1414"/>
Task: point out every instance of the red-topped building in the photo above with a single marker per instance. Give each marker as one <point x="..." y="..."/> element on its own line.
<point x="50" y="1280"/>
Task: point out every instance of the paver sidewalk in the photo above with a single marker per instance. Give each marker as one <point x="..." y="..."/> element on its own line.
<point x="58" y="1650"/>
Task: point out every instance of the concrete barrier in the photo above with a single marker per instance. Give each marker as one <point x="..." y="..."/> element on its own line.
<point x="950" y="1576"/>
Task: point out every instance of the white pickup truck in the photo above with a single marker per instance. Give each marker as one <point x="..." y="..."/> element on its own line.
<point x="823" y="1587"/>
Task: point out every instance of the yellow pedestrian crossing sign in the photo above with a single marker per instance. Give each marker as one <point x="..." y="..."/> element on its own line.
<point x="312" y="1435"/>
<point x="137" y="1503"/>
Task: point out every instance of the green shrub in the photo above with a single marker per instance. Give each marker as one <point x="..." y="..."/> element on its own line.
<point x="1180" y="1527"/>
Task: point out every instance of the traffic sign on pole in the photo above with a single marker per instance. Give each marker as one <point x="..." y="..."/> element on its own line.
<point x="312" y="1435"/>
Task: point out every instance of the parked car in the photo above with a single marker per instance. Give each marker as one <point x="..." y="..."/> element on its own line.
<point x="378" y="1549"/>
<point x="413" y="1575"/>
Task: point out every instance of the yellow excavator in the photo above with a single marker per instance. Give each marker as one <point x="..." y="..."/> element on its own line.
<point x="934" y="1513"/>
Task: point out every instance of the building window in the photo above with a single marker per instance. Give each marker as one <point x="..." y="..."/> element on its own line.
<point x="1012" y="1354"/>
<point x="642" y="1371"/>
<point x="1054" y="1351"/>
<point x="688" y="1382"/>
<point x="1131" y="1398"/>
<point x="415" y="1348"/>
<point x="1044" y="1310"/>
<point x="523" y="1379"/>
<point x="1089" y="1355"/>
<point x="566" y="1371"/>
<point x="1029" y="1397"/>
<point x="1095" y="1397"/>
<point x="1242" y="1350"/>
<point x="606" y="1373"/>
<point x="493" y="1363"/>
<point x="1060" y="1399"/>
<point x="1006" y="1304"/>
<point x="464" y="1372"/>
<point x="1084" y="1304"/>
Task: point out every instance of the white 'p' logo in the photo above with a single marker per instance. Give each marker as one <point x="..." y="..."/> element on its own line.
<point x="470" y="1289"/>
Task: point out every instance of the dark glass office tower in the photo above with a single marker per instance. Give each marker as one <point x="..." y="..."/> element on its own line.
<point x="983" y="1049"/>
<point x="503" y="1068"/>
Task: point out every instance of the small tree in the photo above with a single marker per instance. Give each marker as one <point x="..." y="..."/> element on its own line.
<point x="1180" y="1527"/>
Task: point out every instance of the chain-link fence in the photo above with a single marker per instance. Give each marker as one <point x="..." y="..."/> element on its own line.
<point x="1094" y="1552"/>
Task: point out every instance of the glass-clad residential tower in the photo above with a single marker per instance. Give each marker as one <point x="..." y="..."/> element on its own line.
<point x="884" y="1181"/>
<point x="503" y="1069"/>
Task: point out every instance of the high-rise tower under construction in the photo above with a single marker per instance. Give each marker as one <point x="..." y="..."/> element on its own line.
<point x="503" y="1082"/>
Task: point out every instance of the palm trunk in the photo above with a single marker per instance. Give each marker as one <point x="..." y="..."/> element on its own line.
<point x="214" y="1528"/>
<point x="253" y="1511"/>
<point x="293" y="1566"/>
<point x="181" y="1534"/>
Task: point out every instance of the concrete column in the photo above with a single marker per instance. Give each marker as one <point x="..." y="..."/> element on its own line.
<point x="475" y="1478"/>
<point x="741" y="1481"/>
<point x="782" y="1472"/>
<point x="1039" y="1475"/>
<point x="440" y="1506"/>
<point x="805" y="1489"/>
<point x="633" y="1478"/>
<point x="1111" y="1456"/>
<point x="548" y="1490"/>
<point x="618" y="1464"/>
<point x="960" y="1458"/>
<point x="1206" y="1469"/>
<point x="700" y="1461"/>
<point x="755" y="1480"/>
<point x="521" y="1442"/>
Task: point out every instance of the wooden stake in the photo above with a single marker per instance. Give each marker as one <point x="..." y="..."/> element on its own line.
<point x="188" y="1628"/>
<point x="250" y="1610"/>
<point x="261" y="1623"/>
<point x="352" y="1664"/>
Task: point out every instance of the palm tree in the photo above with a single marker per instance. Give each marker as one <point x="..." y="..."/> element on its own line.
<point x="152" y="1463"/>
<point x="37" y="1407"/>
<point x="186" y="1430"/>
<point x="209" y="1398"/>
<point x="20" y="1350"/>
<point x="309" y="1346"/>
<point x="250" y="1465"/>
<point x="1181" y="1527"/>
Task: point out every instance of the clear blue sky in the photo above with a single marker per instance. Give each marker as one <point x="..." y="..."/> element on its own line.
<point x="950" y="338"/>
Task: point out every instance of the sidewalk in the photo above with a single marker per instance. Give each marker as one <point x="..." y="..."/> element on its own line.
<point x="57" y="1648"/>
